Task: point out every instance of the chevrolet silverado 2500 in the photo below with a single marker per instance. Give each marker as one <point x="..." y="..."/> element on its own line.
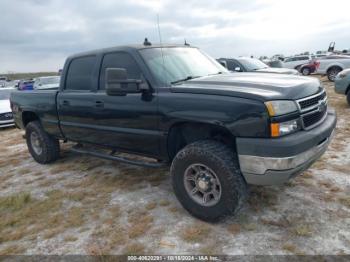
<point x="217" y="131"/>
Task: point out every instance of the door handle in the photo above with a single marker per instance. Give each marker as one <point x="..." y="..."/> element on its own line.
<point x="99" y="104"/>
<point x="65" y="103"/>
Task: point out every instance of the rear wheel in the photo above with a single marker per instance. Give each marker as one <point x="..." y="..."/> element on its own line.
<point x="43" y="147"/>
<point x="348" y="98"/>
<point x="332" y="73"/>
<point x="207" y="180"/>
<point x="305" y="71"/>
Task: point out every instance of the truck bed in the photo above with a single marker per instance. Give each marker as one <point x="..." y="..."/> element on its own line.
<point x="40" y="102"/>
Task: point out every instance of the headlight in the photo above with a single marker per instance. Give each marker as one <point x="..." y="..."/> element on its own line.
<point x="284" y="128"/>
<point x="281" y="107"/>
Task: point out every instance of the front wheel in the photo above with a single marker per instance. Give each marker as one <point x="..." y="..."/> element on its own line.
<point x="305" y="71"/>
<point x="43" y="147"/>
<point x="332" y="73"/>
<point x="207" y="180"/>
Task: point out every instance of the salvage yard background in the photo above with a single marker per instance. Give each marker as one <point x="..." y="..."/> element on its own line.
<point x="84" y="205"/>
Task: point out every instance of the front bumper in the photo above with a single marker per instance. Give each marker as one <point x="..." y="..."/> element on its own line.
<point x="275" y="161"/>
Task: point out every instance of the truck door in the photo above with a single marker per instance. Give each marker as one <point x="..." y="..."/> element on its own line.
<point x="76" y="102"/>
<point x="129" y="122"/>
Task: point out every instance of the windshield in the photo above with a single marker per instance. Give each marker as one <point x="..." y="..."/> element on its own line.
<point x="180" y="63"/>
<point x="252" y="64"/>
<point x="5" y="94"/>
<point x="50" y="80"/>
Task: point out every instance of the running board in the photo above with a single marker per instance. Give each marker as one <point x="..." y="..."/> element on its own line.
<point x="81" y="150"/>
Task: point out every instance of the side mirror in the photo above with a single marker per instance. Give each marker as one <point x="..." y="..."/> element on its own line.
<point x="117" y="83"/>
<point x="238" y="69"/>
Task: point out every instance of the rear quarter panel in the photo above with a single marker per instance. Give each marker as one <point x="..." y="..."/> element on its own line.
<point x="42" y="103"/>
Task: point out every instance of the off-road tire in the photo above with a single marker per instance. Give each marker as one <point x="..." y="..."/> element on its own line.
<point x="223" y="161"/>
<point x="50" y="145"/>
<point x="332" y="73"/>
<point x="348" y="97"/>
<point x="305" y="71"/>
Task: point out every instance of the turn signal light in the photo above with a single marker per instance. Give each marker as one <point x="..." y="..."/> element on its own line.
<point x="275" y="130"/>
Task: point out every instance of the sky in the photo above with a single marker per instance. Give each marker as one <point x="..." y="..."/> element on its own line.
<point x="37" y="35"/>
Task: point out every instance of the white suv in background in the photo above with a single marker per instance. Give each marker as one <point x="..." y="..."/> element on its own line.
<point x="294" y="62"/>
<point x="331" y="65"/>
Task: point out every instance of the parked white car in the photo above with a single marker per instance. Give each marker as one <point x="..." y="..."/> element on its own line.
<point x="6" y="117"/>
<point x="332" y="65"/>
<point x="47" y="82"/>
<point x="294" y="62"/>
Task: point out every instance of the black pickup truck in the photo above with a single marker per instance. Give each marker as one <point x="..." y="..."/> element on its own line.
<point x="174" y="105"/>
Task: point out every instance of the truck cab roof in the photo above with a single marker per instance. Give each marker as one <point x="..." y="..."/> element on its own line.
<point x="127" y="48"/>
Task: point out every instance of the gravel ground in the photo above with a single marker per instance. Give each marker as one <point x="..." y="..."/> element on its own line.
<point x="83" y="205"/>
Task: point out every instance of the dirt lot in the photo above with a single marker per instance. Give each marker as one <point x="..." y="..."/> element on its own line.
<point x="83" y="205"/>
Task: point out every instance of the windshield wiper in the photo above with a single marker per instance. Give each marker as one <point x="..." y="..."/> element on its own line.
<point x="184" y="79"/>
<point x="218" y="73"/>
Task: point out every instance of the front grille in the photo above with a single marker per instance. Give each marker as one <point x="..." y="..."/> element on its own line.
<point x="313" y="109"/>
<point x="313" y="101"/>
<point x="313" y="118"/>
<point x="6" y="116"/>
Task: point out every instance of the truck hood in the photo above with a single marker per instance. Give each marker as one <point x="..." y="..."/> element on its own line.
<point x="5" y="106"/>
<point x="258" y="86"/>
<point x="278" y="71"/>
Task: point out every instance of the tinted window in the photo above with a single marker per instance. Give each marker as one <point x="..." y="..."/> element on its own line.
<point x="79" y="73"/>
<point x="231" y="65"/>
<point x="119" y="60"/>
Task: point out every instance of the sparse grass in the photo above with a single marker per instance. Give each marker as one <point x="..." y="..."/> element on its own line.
<point x="14" y="202"/>
<point x="196" y="232"/>
<point x="173" y="209"/>
<point x="70" y="239"/>
<point x="250" y="226"/>
<point x="345" y="200"/>
<point x="325" y="184"/>
<point x="281" y="222"/>
<point x="139" y="225"/>
<point x="12" y="250"/>
<point x="303" y="230"/>
<point x="289" y="247"/>
<point x="164" y="202"/>
<point x="24" y="171"/>
<point x="134" y="249"/>
<point x="234" y="229"/>
<point x="50" y="233"/>
<point x="261" y="197"/>
<point x="151" y="205"/>
<point x="22" y="216"/>
<point x="210" y="249"/>
<point x="75" y="217"/>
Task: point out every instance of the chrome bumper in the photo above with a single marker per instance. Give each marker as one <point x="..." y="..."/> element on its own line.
<point x="7" y="123"/>
<point x="273" y="170"/>
<point x="259" y="165"/>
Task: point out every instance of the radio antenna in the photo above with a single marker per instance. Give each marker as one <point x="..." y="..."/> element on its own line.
<point x="161" y="44"/>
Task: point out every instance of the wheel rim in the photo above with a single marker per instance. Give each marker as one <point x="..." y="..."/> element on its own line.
<point x="202" y="185"/>
<point x="36" y="144"/>
<point x="305" y="71"/>
<point x="333" y="74"/>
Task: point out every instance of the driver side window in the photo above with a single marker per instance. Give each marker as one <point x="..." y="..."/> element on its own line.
<point x="119" y="60"/>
